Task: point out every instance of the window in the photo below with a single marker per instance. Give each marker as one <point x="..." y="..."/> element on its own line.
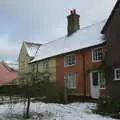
<point x="45" y="64"/>
<point x="98" y="79"/>
<point x="117" y="74"/>
<point x="71" y="80"/>
<point x="97" y="54"/>
<point x="69" y="60"/>
<point x="95" y="77"/>
<point x="33" y="67"/>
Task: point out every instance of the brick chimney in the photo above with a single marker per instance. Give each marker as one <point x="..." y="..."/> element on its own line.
<point x="73" y="22"/>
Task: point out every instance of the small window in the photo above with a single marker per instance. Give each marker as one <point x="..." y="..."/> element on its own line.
<point x="117" y="74"/>
<point x="71" y="80"/>
<point x="97" y="54"/>
<point x="69" y="60"/>
<point x="45" y="64"/>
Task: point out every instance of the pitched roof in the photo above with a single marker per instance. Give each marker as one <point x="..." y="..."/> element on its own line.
<point x="31" y="48"/>
<point x="110" y="17"/>
<point x="81" y="39"/>
<point x="7" y="75"/>
<point x="13" y="66"/>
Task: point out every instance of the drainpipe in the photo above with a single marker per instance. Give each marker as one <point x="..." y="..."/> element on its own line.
<point x="84" y="75"/>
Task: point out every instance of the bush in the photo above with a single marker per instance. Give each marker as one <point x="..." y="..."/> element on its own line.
<point x="108" y="106"/>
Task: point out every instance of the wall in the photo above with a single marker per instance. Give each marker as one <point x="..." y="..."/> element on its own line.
<point x="39" y="66"/>
<point x="112" y="59"/>
<point x="23" y="61"/>
<point x="83" y="66"/>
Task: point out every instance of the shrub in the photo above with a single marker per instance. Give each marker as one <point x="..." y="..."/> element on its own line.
<point x="108" y="106"/>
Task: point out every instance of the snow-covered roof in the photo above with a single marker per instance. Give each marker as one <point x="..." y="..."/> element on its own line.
<point x="32" y="48"/>
<point x="7" y="75"/>
<point x="81" y="39"/>
<point x="13" y="66"/>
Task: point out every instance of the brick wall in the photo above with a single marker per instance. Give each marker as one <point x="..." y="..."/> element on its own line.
<point x="82" y="67"/>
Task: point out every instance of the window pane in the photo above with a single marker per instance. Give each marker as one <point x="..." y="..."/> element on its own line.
<point x="118" y="74"/>
<point x="70" y="60"/>
<point x="95" y="78"/>
<point x="97" y="54"/>
<point x="71" y="80"/>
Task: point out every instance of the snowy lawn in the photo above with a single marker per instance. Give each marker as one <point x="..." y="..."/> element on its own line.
<point x="74" y="111"/>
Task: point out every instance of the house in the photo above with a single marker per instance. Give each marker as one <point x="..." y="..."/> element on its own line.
<point x="27" y="54"/>
<point x="13" y="66"/>
<point x="8" y="78"/>
<point x="7" y="75"/>
<point x="111" y="32"/>
<point x="75" y="60"/>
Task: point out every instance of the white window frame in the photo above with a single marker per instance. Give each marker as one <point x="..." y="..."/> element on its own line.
<point x="71" y="84"/>
<point x="96" y="56"/>
<point x="66" y="62"/>
<point x="102" y="80"/>
<point x="115" y="74"/>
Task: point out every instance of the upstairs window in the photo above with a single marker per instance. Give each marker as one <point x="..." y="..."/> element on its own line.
<point x="69" y="60"/>
<point x="97" y="54"/>
<point x="117" y="74"/>
<point x="45" y="64"/>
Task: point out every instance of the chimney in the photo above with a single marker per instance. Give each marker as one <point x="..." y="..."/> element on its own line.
<point x="73" y="22"/>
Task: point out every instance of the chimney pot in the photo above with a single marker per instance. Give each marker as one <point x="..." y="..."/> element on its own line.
<point x="71" y="12"/>
<point x="74" y="11"/>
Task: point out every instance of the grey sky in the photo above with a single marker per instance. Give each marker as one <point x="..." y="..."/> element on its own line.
<point x="43" y="20"/>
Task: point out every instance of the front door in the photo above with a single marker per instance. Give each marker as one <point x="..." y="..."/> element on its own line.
<point x="95" y="84"/>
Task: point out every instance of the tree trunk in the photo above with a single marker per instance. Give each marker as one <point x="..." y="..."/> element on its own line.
<point x="28" y="107"/>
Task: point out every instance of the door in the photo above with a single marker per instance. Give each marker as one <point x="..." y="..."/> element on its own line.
<point x="95" y="84"/>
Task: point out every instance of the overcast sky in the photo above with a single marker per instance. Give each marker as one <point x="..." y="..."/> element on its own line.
<point x="43" y="20"/>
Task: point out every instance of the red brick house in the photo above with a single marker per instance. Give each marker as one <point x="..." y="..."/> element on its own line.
<point x="80" y="72"/>
<point x="81" y="68"/>
<point x="75" y="59"/>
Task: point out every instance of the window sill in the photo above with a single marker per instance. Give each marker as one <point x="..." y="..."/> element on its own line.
<point x="69" y="65"/>
<point x="115" y="79"/>
<point x="71" y="88"/>
<point x="96" y="61"/>
<point x="102" y="88"/>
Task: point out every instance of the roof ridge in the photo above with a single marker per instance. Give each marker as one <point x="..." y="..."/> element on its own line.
<point x="54" y="40"/>
<point x="33" y="43"/>
<point x="66" y="35"/>
<point x="92" y="25"/>
<point x="89" y="36"/>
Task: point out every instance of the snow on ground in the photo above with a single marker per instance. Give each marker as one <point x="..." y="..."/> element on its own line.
<point x="74" y="111"/>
